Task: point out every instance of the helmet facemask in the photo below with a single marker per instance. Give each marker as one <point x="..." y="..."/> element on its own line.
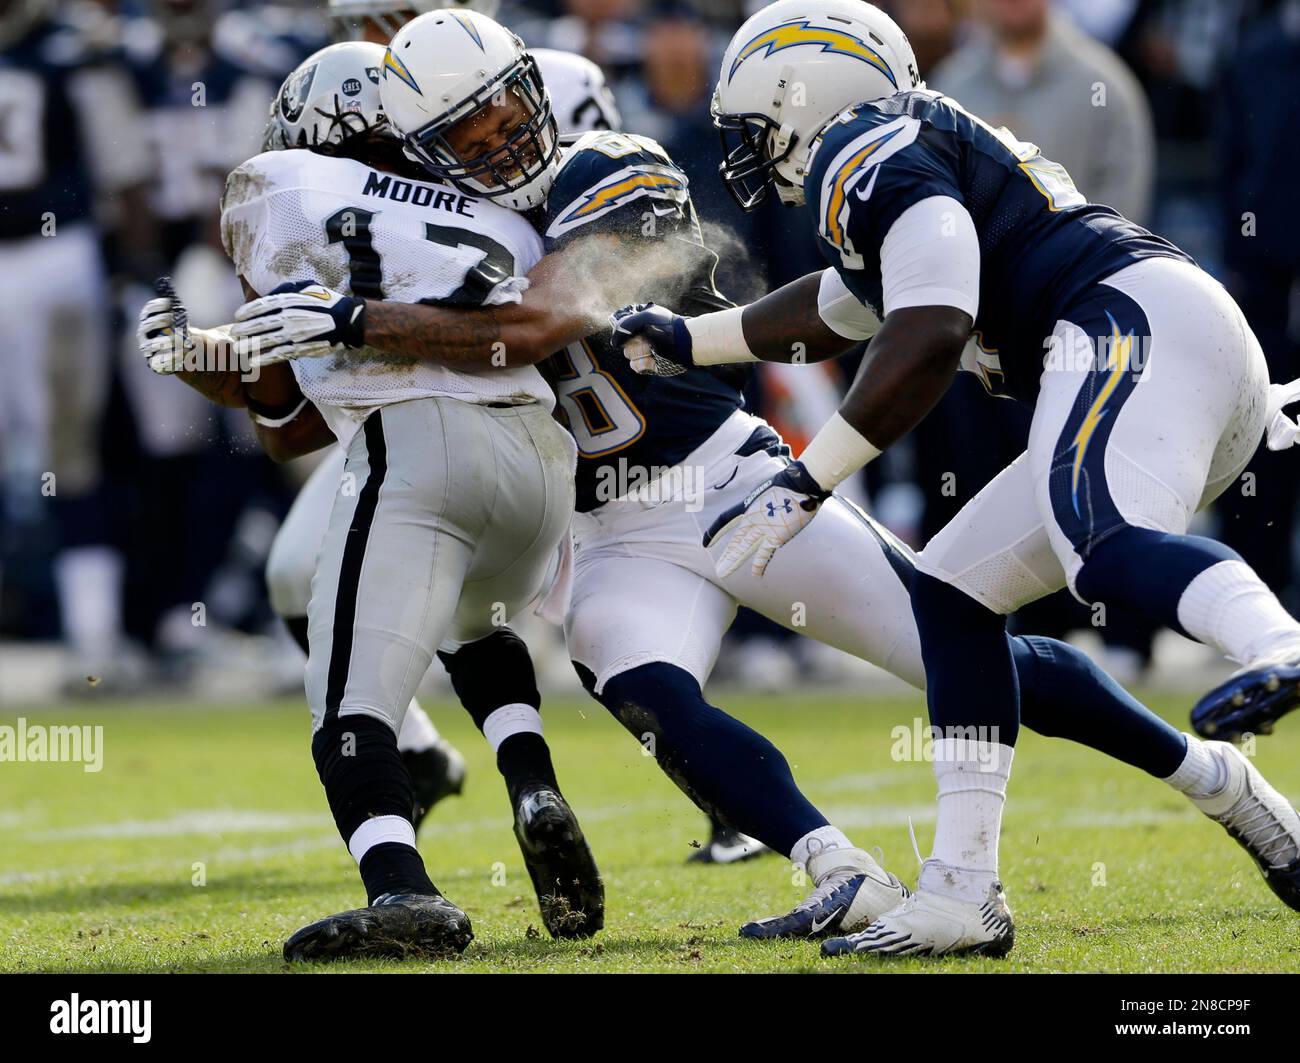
<point x="753" y="146"/>
<point x="518" y="170"/>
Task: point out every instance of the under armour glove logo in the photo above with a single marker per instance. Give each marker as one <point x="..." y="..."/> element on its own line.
<point x="770" y="516"/>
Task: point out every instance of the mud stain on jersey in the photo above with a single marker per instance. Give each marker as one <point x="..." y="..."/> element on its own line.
<point x="306" y="260"/>
<point x="244" y="185"/>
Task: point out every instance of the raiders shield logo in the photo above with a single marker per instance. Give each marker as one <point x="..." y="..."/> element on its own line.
<point x="294" y="97"/>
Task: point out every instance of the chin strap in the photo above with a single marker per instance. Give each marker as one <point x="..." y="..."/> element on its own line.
<point x="1283" y="431"/>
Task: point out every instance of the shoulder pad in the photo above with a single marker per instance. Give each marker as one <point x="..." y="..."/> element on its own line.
<point x="844" y="171"/>
<point x="604" y="172"/>
<point x="264" y="174"/>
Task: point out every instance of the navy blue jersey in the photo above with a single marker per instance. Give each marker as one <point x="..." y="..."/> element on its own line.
<point x="1042" y="244"/>
<point x="628" y="426"/>
<point x="43" y="162"/>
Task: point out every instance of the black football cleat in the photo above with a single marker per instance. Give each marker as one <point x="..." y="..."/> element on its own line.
<point x="436" y="772"/>
<point x="570" y="892"/>
<point x="1250" y="702"/>
<point x="403" y="926"/>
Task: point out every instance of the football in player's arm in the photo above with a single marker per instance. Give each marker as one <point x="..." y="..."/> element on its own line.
<point x="287" y="425"/>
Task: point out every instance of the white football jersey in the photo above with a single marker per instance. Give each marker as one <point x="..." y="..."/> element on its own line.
<point x="295" y="215"/>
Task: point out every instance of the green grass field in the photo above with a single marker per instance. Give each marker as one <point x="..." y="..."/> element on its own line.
<point x="205" y="841"/>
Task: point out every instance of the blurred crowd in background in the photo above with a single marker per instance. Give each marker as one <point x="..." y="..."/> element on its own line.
<point x="135" y="518"/>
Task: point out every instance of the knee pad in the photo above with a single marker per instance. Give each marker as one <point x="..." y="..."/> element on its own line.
<point x="492" y="672"/>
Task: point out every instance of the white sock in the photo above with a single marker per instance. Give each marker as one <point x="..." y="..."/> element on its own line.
<point x="1201" y="773"/>
<point x="418" y="732"/>
<point x="510" y="720"/>
<point x="818" y="841"/>
<point x="1228" y="607"/>
<point x="379" y="830"/>
<point x="972" y="778"/>
<point x="89" y="583"/>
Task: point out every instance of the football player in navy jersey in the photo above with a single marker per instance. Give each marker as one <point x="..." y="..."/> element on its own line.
<point x="662" y="457"/>
<point x="1149" y="391"/>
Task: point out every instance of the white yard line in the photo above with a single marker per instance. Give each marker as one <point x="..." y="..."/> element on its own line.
<point x="200" y="822"/>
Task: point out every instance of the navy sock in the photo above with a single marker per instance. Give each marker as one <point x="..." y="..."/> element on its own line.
<point x="970" y="676"/>
<point x="1064" y="695"/>
<point x="1137" y="568"/>
<point x="731" y="771"/>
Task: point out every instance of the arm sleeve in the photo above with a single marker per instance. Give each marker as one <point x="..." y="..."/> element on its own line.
<point x="931" y="257"/>
<point x="842" y="311"/>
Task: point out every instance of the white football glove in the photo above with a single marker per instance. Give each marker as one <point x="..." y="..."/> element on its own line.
<point x="299" y="320"/>
<point x="163" y="332"/>
<point x="769" y="517"/>
<point x="1283" y="431"/>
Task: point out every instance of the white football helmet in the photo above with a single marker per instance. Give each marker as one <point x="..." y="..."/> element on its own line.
<point x="331" y="97"/>
<point x="447" y="65"/>
<point x="787" y="72"/>
<point x="580" y="97"/>
<point x="348" y="17"/>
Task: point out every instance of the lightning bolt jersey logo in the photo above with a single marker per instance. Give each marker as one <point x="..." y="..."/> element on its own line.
<point x="802" y="33"/>
<point x="855" y="168"/>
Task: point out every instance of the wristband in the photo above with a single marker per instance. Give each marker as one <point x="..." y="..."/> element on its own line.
<point x="836" y="452"/>
<point x="273" y="416"/>
<point x="718" y="338"/>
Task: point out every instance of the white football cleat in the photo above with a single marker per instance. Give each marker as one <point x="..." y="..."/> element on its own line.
<point x="1260" y="818"/>
<point x="932" y="924"/>
<point x="852" y="890"/>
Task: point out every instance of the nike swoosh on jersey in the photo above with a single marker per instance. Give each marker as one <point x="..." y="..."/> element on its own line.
<point x="865" y="193"/>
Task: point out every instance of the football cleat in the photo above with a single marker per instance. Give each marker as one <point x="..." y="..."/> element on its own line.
<point x="1251" y="701"/>
<point x="727" y="846"/>
<point x="1261" y="820"/>
<point x="570" y="892"/>
<point x="852" y="890"/>
<point x="436" y="772"/>
<point x="931" y="924"/>
<point x="398" y="925"/>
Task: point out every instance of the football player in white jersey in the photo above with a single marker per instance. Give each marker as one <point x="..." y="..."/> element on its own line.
<point x="446" y="520"/>
<point x="648" y="607"/>
<point x="581" y="102"/>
